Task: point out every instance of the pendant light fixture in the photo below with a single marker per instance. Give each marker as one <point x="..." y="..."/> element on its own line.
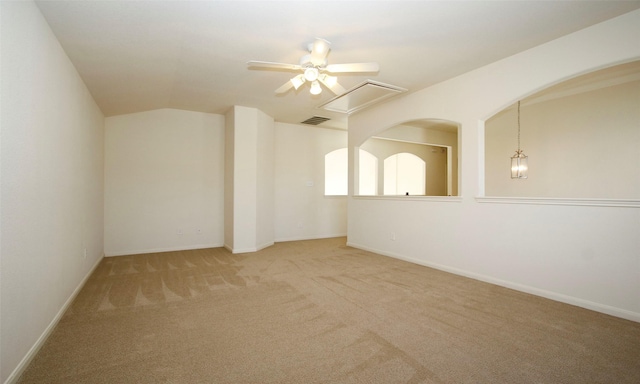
<point x="519" y="161"/>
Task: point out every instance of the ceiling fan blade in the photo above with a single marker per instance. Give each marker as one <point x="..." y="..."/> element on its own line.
<point x="353" y="67"/>
<point x="319" y="51"/>
<point x="270" y="65"/>
<point x="285" y="87"/>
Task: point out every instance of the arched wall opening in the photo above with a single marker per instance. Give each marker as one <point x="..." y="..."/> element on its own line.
<point x="581" y="137"/>
<point x="436" y="142"/>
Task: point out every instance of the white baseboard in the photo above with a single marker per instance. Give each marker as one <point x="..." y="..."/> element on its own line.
<point x="281" y="240"/>
<point x="602" y="308"/>
<point x="157" y="250"/>
<point x="24" y="363"/>
<point x="316" y="237"/>
<point x="249" y="250"/>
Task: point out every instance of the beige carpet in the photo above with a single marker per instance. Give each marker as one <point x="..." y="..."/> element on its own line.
<point x="321" y="312"/>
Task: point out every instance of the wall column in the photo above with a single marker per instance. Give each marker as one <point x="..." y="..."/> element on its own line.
<point x="249" y="181"/>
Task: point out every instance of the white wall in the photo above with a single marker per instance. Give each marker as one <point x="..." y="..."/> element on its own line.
<point x="582" y="254"/>
<point x="52" y="184"/>
<point x="585" y="145"/>
<point x="164" y="180"/>
<point x="301" y="209"/>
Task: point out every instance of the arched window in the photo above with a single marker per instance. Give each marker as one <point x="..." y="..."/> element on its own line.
<point x="404" y="173"/>
<point x="368" y="184"/>
<point x="336" y="175"/>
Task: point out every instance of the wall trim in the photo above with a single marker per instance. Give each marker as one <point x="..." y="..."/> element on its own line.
<point x="586" y="304"/>
<point x="249" y="250"/>
<point x="439" y="199"/>
<point x="316" y="237"/>
<point x="625" y="203"/>
<point x="169" y="249"/>
<point x="33" y="351"/>
<point x="265" y="245"/>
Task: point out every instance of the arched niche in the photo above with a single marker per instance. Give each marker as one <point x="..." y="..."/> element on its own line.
<point x="434" y="141"/>
<point x="581" y="137"/>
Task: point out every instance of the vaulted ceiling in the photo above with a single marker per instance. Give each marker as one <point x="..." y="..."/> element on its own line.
<point x="143" y="55"/>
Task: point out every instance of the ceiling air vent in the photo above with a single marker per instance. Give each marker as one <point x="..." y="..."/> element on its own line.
<point x="315" y="120"/>
<point x="362" y="96"/>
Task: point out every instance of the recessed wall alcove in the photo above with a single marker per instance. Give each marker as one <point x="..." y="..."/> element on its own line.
<point x="416" y="158"/>
<point x="581" y="136"/>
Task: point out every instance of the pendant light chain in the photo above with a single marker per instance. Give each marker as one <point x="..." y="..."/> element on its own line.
<point x="518" y="126"/>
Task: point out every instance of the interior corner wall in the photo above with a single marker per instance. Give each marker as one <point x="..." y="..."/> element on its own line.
<point x="265" y="231"/>
<point x="164" y="172"/>
<point x="51" y="191"/>
<point x="229" y="164"/>
<point x="302" y="211"/>
<point x="585" y="255"/>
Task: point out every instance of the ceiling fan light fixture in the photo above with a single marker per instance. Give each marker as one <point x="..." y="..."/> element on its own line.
<point x="329" y="81"/>
<point x="297" y="81"/>
<point x="312" y="68"/>
<point x="311" y="74"/>
<point x="319" y="46"/>
<point x="316" y="89"/>
<point x="319" y="50"/>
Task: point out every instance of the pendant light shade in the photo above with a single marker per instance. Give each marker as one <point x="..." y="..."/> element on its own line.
<point x="519" y="165"/>
<point x="519" y="161"/>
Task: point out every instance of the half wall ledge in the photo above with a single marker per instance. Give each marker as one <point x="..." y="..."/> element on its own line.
<point x="623" y="203"/>
<point x="439" y="199"/>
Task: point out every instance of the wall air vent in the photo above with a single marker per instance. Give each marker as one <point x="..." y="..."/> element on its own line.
<point x="315" y="120"/>
<point x="362" y="96"/>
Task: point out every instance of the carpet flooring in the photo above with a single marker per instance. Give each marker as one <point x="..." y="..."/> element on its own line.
<point x="320" y="312"/>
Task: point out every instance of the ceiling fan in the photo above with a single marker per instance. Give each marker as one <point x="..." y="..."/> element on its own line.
<point x="315" y="69"/>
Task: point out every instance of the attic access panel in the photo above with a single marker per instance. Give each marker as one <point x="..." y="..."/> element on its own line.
<point x="362" y="96"/>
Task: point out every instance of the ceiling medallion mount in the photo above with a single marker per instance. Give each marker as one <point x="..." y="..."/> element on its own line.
<point x="316" y="70"/>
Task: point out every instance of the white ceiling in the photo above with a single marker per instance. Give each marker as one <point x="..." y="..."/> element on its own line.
<point x="143" y="55"/>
